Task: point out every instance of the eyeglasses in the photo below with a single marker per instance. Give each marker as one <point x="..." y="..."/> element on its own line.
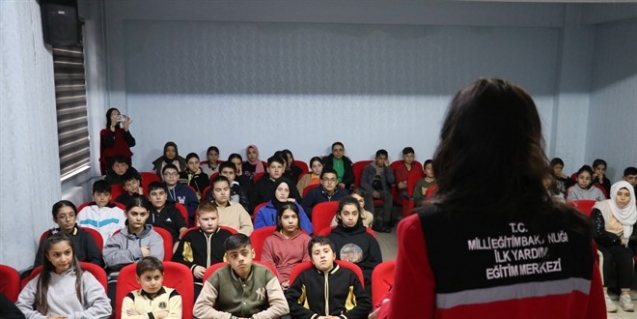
<point x="330" y="180"/>
<point x="171" y="174"/>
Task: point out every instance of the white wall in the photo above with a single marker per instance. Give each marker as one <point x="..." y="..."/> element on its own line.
<point x="612" y="121"/>
<point x="29" y="164"/>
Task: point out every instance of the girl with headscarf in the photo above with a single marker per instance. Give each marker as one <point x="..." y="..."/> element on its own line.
<point x="267" y="215"/>
<point x="614" y="220"/>
<point x="253" y="164"/>
<point x="171" y="156"/>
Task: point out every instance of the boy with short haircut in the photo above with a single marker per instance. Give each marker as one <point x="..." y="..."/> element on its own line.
<point x="132" y="187"/>
<point x="406" y="169"/>
<point x="201" y="248"/>
<point x="178" y="192"/>
<point x="327" y="192"/>
<point x="164" y="214"/>
<point x="119" y="168"/>
<point x="376" y="182"/>
<point x="421" y="187"/>
<point x="249" y="290"/>
<point x="342" y="295"/>
<point x="630" y="175"/>
<point x="101" y="214"/>
<point x="153" y="300"/>
<point x="237" y="192"/>
<point x="231" y="214"/>
<point x="263" y="190"/>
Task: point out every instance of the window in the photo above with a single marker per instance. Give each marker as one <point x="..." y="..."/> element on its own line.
<point x="70" y="101"/>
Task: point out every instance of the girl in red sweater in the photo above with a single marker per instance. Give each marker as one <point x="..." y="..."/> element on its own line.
<point x="115" y="140"/>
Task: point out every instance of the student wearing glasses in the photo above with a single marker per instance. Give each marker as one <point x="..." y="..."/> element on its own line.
<point x="327" y="192"/>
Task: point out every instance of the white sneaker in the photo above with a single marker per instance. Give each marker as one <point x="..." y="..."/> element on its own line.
<point x="610" y="305"/>
<point x="626" y="303"/>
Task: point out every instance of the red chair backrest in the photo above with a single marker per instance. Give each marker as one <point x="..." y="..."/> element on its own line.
<point x="412" y="180"/>
<point x="584" y="205"/>
<point x="327" y="230"/>
<point x="302" y="165"/>
<point x="256" y="210"/>
<point x="257" y="238"/>
<point x="382" y="280"/>
<point x="10" y="283"/>
<point x="147" y="178"/>
<point x="97" y="272"/>
<point x="211" y="270"/>
<point x="230" y="229"/>
<point x="168" y="242"/>
<point x="308" y="188"/>
<point x="323" y="214"/>
<point x="296" y="270"/>
<point x="119" y="205"/>
<point x="212" y="176"/>
<point x="97" y="237"/>
<point x="176" y="276"/>
<point x="358" y="171"/>
<point x="184" y="212"/>
<point x="258" y="176"/>
<point x="116" y="190"/>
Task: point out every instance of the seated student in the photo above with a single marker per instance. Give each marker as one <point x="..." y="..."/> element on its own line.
<point x="193" y="176"/>
<point x="293" y="171"/>
<point x="231" y="215"/>
<point x="171" y="156"/>
<point x="327" y="192"/>
<point x="599" y="175"/>
<point x="101" y="214"/>
<point x="313" y="178"/>
<point x="327" y="290"/>
<point x="132" y="187"/>
<point x="584" y="188"/>
<point x="63" y="289"/>
<point x="202" y="248"/>
<point x="267" y="215"/>
<point x="115" y="176"/>
<point x="249" y="290"/>
<point x="408" y="168"/>
<point x="243" y="180"/>
<point x="213" y="161"/>
<point x="630" y="176"/>
<point x="421" y="187"/>
<point x="133" y="242"/>
<point x="367" y="217"/>
<point x="287" y="172"/>
<point x="285" y="248"/>
<point x="237" y="193"/>
<point x="341" y="164"/>
<point x="153" y="300"/>
<point x="352" y="241"/>
<point x="8" y="310"/>
<point x="562" y="181"/>
<point x="614" y="220"/>
<point x="163" y="213"/>
<point x="253" y="164"/>
<point x="178" y="192"/>
<point x="65" y="215"/>
<point x="551" y="189"/>
<point x="376" y="182"/>
<point x="263" y="189"/>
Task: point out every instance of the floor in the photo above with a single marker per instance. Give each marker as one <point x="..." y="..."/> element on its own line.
<point x="388" y="244"/>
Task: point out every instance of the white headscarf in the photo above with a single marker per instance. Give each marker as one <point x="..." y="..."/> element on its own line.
<point x="626" y="215"/>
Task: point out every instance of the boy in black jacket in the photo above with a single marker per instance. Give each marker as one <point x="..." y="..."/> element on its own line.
<point x="343" y="296"/>
<point x="164" y="214"/>
<point x="263" y="189"/>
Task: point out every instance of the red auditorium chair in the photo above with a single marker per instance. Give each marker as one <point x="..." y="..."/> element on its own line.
<point x="10" y="283"/>
<point x="302" y="165"/>
<point x="382" y="280"/>
<point x="323" y="213"/>
<point x="97" y="271"/>
<point x="584" y="205"/>
<point x="257" y="238"/>
<point x="99" y="241"/>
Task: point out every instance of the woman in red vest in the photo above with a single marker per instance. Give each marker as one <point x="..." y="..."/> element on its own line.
<point x="115" y="139"/>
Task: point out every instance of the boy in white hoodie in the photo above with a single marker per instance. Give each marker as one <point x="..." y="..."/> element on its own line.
<point x="101" y="214"/>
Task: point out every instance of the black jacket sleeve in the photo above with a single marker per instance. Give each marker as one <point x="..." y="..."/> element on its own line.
<point x="363" y="302"/>
<point x="348" y="175"/>
<point x="296" y="298"/>
<point x="603" y="237"/>
<point x="243" y="198"/>
<point x="107" y="138"/>
<point x="130" y="140"/>
<point x="8" y="310"/>
<point x="93" y="254"/>
<point x="374" y="257"/>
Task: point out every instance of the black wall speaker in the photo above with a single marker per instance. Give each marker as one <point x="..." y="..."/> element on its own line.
<point x="60" y="22"/>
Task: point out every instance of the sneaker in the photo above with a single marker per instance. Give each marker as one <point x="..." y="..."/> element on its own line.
<point x="610" y="305"/>
<point x="626" y="303"/>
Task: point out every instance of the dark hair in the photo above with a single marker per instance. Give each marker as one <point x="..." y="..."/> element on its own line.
<point x="157" y="185"/>
<point x="552" y="188"/>
<point x="408" y="150"/>
<point x="589" y="170"/>
<point x="236" y="241"/>
<point x="598" y="162"/>
<point x="631" y="170"/>
<point x="219" y="178"/>
<point x="556" y="161"/>
<point x="149" y="263"/>
<point x="282" y="209"/>
<point x="322" y="241"/>
<point x="337" y="143"/>
<point x="489" y="117"/>
<point x="63" y="203"/>
<point x="287" y="153"/>
<point x="227" y="164"/>
<point x="212" y="148"/>
<point x="327" y="170"/>
<point x="381" y="152"/>
<point x="276" y="158"/>
<point x="101" y="186"/>
<point x="167" y="166"/>
<point x="119" y="159"/>
<point x="41" y="303"/>
<point x="130" y="175"/>
<point x="358" y="192"/>
<point x="138" y="201"/>
<point x="429" y="161"/>
<point x="235" y="155"/>
<point x="349" y="200"/>
<point x="206" y="206"/>
<point x="316" y="159"/>
<point x="108" y="116"/>
<point x="191" y="155"/>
